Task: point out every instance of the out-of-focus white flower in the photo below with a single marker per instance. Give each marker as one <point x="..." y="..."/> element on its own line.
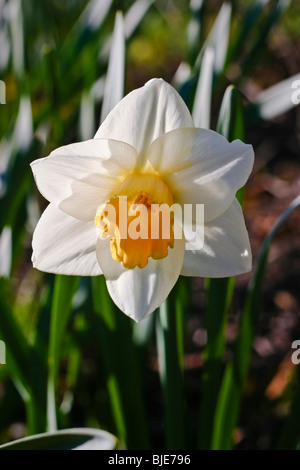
<point x="146" y="152"/>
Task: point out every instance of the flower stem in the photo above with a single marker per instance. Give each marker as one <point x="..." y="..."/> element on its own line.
<point x="122" y="366"/>
<point x="170" y="372"/>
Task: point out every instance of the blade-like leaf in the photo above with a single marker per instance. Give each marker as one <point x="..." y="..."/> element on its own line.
<point x="122" y="366"/>
<point x="277" y="8"/>
<point x="218" y="38"/>
<point x="64" y="290"/>
<point x="114" y="84"/>
<point x="194" y="28"/>
<point x="202" y="103"/>
<point x="228" y="406"/>
<point x="276" y="100"/>
<point x="135" y="14"/>
<point x="87" y="116"/>
<point x="250" y="20"/>
<point x="69" y="439"/>
<point x="219" y="292"/>
<point x="5" y="251"/>
<point x="18" y="352"/>
<point x="170" y="374"/>
<point x="231" y="120"/>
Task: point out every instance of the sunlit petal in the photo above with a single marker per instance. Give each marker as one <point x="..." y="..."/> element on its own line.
<point x="226" y="250"/>
<point x="77" y="178"/>
<point x="138" y="292"/>
<point x="64" y="245"/>
<point x="202" y="167"/>
<point x="145" y="114"/>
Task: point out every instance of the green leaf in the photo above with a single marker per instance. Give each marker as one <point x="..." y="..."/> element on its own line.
<point x="218" y="38"/>
<point x="289" y="438"/>
<point x="17" y="38"/>
<point x="87" y="116"/>
<point x="135" y="15"/>
<point x="5" y="251"/>
<point x="69" y="439"/>
<point x="64" y="290"/>
<point x="114" y="83"/>
<point x="250" y="21"/>
<point x="276" y="100"/>
<point x="170" y="373"/>
<point x="120" y="358"/>
<point x="194" y="28"/>
<point x="277" y="8"/>
<point x="219" y="292"/>
<point x="202" y="102"/>
<point x="86" y="28"/>
<point x="18" y="352"/>
<point x="231" y="120"/>
<point x="236" y="371"/>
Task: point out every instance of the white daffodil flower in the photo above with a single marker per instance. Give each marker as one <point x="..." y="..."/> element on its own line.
<point x="146" y="153"/>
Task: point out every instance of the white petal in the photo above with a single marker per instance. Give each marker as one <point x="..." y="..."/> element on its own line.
<point x="64" y="245"/>
<point x="202" y="167"/>
<point x="226" y="250"/>
<point x="138" y="292"/>
<point x="77" y="178"/>
<point x="145" y="114"/>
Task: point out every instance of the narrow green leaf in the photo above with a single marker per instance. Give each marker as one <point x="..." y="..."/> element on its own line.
<point x="236" y="371"/>
<point x="275" y="100"/>
<point x="289" y="438"/>
<point x="202" y="102"/>
<point x="135" y="15"/>
<point x="277" y="8"/>
<point x="122" y="366"/>
<point x="219" y="293"/>
<point x="5" y="251"/>
<point x="17" y="35"/>
<point x="245" y="27"/>
<point x="64" y="290"/>
<point x="194" y="28"/>
<point x="87" y="116"/>
<point x="231" y="119"/>
<point x="132" y="19"/>
<point x="114" y="83"/>
<point x="68" y="439"/>
<point x="86" y="28"/>
<point x="18" y="352"/>
<point x="182" y="293"/>
<point x="218" y="38"/>
<point x="170" y="375"/>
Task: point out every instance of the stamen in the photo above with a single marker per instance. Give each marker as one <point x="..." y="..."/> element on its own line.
<point x="136" y="230"/>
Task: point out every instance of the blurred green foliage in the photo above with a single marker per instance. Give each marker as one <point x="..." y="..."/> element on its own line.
<point x="65" y="352"/>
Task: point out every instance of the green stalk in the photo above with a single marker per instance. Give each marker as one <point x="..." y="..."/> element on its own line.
<point x="170" y="372"/>
<point x="122" y="366"/>
<point x="64" y="290"/>
<point x="219" y="295"/>
<point x="219" y="292"/>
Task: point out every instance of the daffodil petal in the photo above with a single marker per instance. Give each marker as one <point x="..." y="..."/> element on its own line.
<point x="138" y="292"/>
<point x="145" y="114"/>
<point x="77" y="178"/>
<point x="226" y="250"/>
<point x="202" y="167"/>
<point x="64" y="245"/>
